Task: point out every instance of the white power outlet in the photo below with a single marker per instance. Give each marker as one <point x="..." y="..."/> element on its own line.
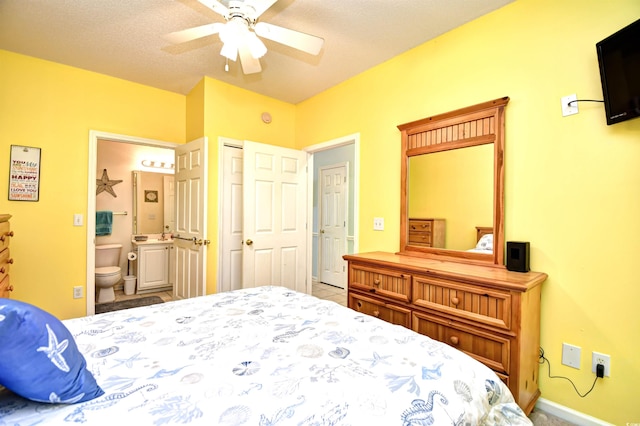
<point x="571" y="355"/>
<point x="77" y="292"/>
<point x="378" y="224"/>
<point x="569" y="106"/>
<point x="604" y="359"/>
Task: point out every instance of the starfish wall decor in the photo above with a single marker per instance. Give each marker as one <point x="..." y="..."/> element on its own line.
<point x="104" y="184"/>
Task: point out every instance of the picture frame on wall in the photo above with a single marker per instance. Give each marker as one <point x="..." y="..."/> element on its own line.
<point x="24" y="173"/>
<point x="150" y="196"/>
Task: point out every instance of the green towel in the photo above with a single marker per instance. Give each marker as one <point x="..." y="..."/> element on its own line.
<point x="104" y="219"/>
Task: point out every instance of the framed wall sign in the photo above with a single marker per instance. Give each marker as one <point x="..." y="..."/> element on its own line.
<point x="24" y="173"/>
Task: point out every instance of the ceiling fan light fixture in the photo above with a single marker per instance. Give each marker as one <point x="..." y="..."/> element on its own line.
<point x="256" y="46"/>
<point x="229" y="50"/>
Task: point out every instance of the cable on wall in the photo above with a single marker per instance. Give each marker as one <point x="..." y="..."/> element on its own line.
<point x="544" y="359"/>
<point x="583" y="100"/>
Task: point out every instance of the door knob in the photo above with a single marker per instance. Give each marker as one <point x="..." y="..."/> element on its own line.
<point x="249" y="242"/>
<point x="322" y="231"/>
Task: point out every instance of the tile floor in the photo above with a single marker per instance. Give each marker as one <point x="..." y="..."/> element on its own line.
<point x="339" y="295"/>
<point x="329" y="292"/>
<point x="166" y="295"/>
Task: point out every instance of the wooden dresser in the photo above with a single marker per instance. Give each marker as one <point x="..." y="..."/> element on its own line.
<point x="487" y="312"/>
<point x="427" y="232"/>
<point x="5" y="259"/>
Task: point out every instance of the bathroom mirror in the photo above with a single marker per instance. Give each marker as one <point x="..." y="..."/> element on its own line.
<point x="153" y="202"/>
<point x="452" y="183"/>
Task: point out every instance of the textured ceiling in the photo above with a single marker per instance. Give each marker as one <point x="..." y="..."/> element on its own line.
<point x="124" y="39"/>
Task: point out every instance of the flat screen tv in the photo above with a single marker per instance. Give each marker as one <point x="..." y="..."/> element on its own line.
<point x="619" y="60"/>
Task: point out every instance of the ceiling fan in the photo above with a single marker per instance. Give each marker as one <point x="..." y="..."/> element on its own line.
<point x="239" y="34"/>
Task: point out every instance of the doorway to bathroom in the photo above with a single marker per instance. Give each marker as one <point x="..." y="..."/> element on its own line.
<point x="120" y="156"/>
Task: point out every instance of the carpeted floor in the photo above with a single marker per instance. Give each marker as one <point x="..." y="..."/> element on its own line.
<point x="126" y="304"/>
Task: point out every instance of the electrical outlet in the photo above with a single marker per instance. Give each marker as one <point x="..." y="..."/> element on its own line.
<point x="571" y="355"/>
<point x="569" y="109"/>
<point x="378" y="224"/>
<point x="604" y="359"/>
<point x="77" y="292"/>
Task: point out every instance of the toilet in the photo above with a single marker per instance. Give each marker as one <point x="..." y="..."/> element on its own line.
<point x="108" y="272"/>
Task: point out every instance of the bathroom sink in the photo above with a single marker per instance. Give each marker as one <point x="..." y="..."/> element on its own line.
<point x="153" y="241"/>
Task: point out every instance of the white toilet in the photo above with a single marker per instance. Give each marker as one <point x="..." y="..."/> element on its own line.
<point x="108" y="272"/>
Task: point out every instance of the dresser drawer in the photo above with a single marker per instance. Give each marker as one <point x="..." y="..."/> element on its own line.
<point x="385" y="311"/>
<point x="5" y="287"/>
<point x="379" y="281"/>
<point x="4" y="263"/>
<point x="473" y="303"/>
<point x="490" y="349"/>
<point x="5" y="235"/>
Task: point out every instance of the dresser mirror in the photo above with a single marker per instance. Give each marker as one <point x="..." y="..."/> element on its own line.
<point x="452" y="185"/>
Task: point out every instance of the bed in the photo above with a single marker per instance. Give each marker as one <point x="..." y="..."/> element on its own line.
<point x="484" y="240"/>
<point x="268" y="356"/>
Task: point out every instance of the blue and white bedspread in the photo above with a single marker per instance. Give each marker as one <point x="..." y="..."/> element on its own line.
<point x="269" y="356"/>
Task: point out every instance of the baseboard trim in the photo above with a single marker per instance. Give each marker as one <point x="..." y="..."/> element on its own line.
<point x="568" y="414"/>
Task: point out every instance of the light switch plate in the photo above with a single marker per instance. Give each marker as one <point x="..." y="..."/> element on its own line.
<point x="77" y="219"/>
<point x="571" y="355"/>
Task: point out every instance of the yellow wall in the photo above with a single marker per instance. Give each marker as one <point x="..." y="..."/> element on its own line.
<point x="53" y="107"/>
<point x="572" y="183"/>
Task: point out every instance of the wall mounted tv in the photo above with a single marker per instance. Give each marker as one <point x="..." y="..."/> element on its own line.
<point x="619" y="60"/>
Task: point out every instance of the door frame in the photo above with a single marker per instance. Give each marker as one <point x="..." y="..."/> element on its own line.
<point x="323" y="146"/>
<point x="352" y="139"/>
<point x="94" y="135"/>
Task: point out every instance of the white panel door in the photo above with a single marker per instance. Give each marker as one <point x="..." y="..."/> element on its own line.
<point x="169" y="213"/>
<point x="231" y="221"/>
<point x="333" y="224"/>
<point x="190" y="243"/>
<point x="275" y="217"/>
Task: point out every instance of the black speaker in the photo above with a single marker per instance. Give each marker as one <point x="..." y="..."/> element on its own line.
<point x="518" y="256"/>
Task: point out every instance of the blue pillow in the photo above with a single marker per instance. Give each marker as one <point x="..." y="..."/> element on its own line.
<point x="39" y="359"/>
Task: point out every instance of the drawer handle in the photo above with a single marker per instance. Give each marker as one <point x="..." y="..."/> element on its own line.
<point x="10" y="288"/>
<point x="6" y="234"/>
<point x="10" y="261"/>
<point x="376" y="313"/>
<point x="376" y="282"/>
<point x="455" y="300"/>
<point x="2" y="270"/>
<point x="359" y="304"/>
<point x="454" y="340"/>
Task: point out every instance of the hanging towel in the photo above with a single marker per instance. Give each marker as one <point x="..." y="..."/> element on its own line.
<point x="104" y="219"/>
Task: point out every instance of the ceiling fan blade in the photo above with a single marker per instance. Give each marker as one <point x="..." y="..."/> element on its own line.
<point x="250" y="65"/>
<point x="301" y="41"/>
<point x="260" y="6"/>
<point x="216" y="6"/>
<point x="193" y="33"/>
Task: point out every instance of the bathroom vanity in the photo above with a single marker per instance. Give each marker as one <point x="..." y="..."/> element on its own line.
<point x="154" y="265"/>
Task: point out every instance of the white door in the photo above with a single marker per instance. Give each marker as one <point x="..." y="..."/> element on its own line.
<point x="275" y="217"/>
<point x="190" y="243"/>
<point x="333" y="224"/>
<point x="231" y="220"/>
<point x="169" y="211"/>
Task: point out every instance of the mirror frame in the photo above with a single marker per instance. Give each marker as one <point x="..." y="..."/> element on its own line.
<point x="474" y="125"/>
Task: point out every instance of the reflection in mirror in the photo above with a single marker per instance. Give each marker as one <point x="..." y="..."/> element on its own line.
<point x="153" y="203"/>
<point x="455" y="187"/>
